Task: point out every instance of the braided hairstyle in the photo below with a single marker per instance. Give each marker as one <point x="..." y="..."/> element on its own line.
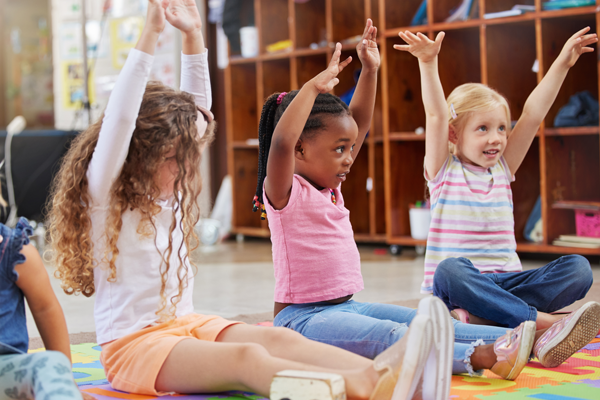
<point x="325" y="104"/>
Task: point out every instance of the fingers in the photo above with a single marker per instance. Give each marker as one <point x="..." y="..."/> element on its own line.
<point x="367" y="30"/>
<point x="335" y="58"/>
<point x="581" y="32"/>
<point x="588" y="39"/>
<point x="440" y="37"/>
<point x="345" y="63"/>
<point x="402" y="47"/>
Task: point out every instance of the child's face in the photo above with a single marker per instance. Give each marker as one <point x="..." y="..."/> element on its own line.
<point x="325" y="159"/>
<point x="483" y="138"/>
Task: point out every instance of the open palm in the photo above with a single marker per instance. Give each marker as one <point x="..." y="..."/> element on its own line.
<point x="326" y="80"/>
<point x="183" y="15"/>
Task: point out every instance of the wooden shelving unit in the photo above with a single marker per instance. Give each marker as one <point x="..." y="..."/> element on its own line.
<point x="562" y="163"/>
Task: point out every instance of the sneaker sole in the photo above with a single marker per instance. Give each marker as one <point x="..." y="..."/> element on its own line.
<point x="438" y="369"/>
<point x="580" y="331"/>
<point x="418" y="347"/>
<point x="527" y="339"/>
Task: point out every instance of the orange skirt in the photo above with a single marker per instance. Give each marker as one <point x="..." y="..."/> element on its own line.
<point x="132" y="362"/>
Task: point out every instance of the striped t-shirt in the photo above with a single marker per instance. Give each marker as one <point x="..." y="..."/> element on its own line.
<point x="471" y="217"/>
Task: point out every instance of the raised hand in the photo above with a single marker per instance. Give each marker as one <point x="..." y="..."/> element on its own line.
<point x="367" y="50"/>
<point x="576" y="46"/>
<point x="326" y="80"/>
<point x="183" y="15"/>
<point x="155" y="18"/>
<point x="420" y="45"/>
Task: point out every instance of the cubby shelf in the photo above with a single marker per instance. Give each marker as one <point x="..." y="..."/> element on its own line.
<point x="562" y="162"/>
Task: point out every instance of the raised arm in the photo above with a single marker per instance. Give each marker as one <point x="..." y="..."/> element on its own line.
<point x="46" y="311"/>
<point x="281" y="161"/>
<point x="363" y="101"/>
<point x="436" y="109"/>
<point x="123" y="107"/>
<point x="541" y="99"/>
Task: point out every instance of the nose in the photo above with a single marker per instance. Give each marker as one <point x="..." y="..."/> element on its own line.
<point x="494" y="137"/>
<point x="348" y="160"/>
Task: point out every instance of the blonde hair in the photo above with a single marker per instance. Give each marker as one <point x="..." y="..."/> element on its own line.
<point x="165" y="116"/>
<point x="470" y="98"/>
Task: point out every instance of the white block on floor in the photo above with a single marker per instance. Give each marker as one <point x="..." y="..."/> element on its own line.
<point x="306" y="385"/>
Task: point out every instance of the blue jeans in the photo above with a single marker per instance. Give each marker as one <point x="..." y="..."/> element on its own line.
<point x="512" y="297"/>
<point x="370" y="328"/>
<point x="44" y="375"/>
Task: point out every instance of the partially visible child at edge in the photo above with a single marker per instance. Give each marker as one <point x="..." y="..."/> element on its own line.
<point x="121" y="222"/>
<point x="41" y="375"/>
<point x="308" y="141"/>
<point x="471" y="261"/>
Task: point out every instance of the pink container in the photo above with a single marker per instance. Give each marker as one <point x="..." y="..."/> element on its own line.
<point x="587" y="223"/>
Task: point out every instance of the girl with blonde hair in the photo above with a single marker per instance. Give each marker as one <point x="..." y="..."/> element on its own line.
<point x="471" y="261"/>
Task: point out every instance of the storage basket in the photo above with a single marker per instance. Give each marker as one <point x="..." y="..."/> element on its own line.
<point x="587" y="223"/>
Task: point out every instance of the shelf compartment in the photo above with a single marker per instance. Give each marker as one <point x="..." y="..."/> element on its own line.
<point x="569" y="12"/>
<point x="492" y="6"/>
<point x="526" y="189"/>
<point x="407" y="184"/>
<point x="274" y="15"/>
<point x="460" y="62"/>
<point x="310" y="66"/>
<point x="276" y="76"/>
<point x="442" y="9"/>
<point x="310" y="23"/>
<point x="572" y="173"/>
<point x="356" y="197"/>
<point x="405" y="109"/>
<point x="348" y="19"/>
<point x="400" y="13"/>
<point x="349" y="75"/>
<point x="243" y="104"/>
<point x="245" y="175"/>
<point x="514" y="42"/>
<point x="584" y="74"/>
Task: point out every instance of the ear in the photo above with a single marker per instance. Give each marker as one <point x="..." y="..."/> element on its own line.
<point x="299" y="150"/>
<point x="452" y="136"/>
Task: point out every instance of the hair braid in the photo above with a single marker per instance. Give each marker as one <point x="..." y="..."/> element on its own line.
<point x="325" y="104"/>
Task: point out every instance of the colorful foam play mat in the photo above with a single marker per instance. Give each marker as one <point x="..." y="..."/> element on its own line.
<point x="577" y="378"/>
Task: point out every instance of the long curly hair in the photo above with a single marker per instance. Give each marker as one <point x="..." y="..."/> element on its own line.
<point x="167" y="119"/>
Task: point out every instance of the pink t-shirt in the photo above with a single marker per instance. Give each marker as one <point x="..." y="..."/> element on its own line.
<point x="314" y="253"/>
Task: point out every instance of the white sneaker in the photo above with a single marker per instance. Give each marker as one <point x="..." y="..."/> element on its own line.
<point x="403" y="362"/>
<point x="438" y="369"/>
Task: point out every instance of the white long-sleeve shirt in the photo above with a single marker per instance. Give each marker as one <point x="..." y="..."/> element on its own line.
<point x="130" y="303"/>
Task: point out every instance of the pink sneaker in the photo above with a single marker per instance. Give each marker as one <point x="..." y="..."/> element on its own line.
<point x="513" y="350"/>
<point x="568" y="335"/>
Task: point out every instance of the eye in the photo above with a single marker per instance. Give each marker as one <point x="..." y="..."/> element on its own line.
<point x="482" y="128"/>
<point x="502" y="128"/>
<point x="352" y="149"/>
<point x="340" y="150"/>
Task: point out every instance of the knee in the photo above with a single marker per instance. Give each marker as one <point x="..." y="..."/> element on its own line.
<point x="579" y="269"/>
<point x="247" y="353"/>
<point x="283" y="337"/>
<point x="452" y="272"/>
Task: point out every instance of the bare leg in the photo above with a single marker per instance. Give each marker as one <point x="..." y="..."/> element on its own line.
<point x="290" y="345"/>
<point x="196" y="366"/>
<point x="545" y="321"/>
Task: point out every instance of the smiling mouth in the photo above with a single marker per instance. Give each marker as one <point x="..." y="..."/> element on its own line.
<point x="343" y="175"/>
<point x="491" y="152"/>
